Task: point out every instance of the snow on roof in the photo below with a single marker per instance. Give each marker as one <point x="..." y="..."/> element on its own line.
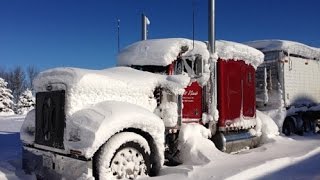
<point x="288" y="46"/>
<point x="162" y="52"/>
<point x="88" y="87"/>
<point x="228" y="50"/>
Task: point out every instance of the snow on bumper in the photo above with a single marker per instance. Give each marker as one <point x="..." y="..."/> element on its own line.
<point x="48" y="165"/>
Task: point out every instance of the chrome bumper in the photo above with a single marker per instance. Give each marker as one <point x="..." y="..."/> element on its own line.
<point x="49" y="165"/>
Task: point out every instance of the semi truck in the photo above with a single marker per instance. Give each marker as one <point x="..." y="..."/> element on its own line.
<point x="287" y="79"/>
<point x="123" y="122"/>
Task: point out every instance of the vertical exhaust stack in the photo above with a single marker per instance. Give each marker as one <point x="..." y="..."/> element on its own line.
<point x="213" y="63"/>
<point x="211" y="26"/>
<point x="144" y="23"/>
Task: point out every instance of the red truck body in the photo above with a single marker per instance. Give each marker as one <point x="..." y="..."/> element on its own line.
<point x="236" y="94"/>
<point x="236" y="91"/>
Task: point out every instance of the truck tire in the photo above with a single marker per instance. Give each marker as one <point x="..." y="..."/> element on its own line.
<point x="125" y="155"/>
<point x="288" y="127"/>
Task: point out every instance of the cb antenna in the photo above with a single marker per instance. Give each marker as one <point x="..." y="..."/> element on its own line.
<point x="118" y="33"/>
<point x="193" y="13"/>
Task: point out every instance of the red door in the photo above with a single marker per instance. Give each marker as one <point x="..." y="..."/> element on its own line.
<point x="248" y="90"/>
<point x="192" y="103"/>
<point x="236" y="91"/>
<point x="229" y="91"/>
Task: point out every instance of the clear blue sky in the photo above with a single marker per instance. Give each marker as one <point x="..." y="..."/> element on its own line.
<point x="82" y="33"/>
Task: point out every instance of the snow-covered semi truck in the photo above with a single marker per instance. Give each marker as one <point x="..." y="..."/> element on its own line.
<point x="122" y="122"/>
<point x="288" y="80"/>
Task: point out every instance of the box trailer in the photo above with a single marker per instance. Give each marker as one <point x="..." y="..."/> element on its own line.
<point x="288" y="78"/>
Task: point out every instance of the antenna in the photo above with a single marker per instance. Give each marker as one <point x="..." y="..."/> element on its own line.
<point x="193" y="12"/>
<point x="118" y="27"/>
<point x="143" y="27"/>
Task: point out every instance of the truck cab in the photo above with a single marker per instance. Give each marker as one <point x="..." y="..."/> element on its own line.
<point x="234" y="83"/>
<point x="86" y="121"/>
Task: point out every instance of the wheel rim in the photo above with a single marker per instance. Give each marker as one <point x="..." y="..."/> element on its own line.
<point x="128" y="163"/>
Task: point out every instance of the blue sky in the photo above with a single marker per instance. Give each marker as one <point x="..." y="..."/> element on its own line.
<point x="82" y="33"/>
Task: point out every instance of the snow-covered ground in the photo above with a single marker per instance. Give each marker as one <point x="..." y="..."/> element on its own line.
<point x="297" y="157"/>
<point x="10" y="148"/>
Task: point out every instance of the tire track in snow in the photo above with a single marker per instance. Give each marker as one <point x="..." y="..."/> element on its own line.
<point x="272" y="166"/>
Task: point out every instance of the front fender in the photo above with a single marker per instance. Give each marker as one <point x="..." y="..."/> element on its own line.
<point x="88" y="129"/>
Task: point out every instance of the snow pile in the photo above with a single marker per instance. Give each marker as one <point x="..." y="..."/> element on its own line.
<point x="26" y="102"/>
<point x="195" y="146"/>
<point x="162" y="52"/>
<point x="268" y="127"/>
<point x="85" y="176"/>
<point x="5" y="99"/>
<point x="27" y="131"/>
<point x="10" y="172"/>
<point x="88" y="87"/>
<point x="287" y="46"/>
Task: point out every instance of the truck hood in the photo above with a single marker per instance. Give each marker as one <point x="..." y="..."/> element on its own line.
<point x="85" y="88"/>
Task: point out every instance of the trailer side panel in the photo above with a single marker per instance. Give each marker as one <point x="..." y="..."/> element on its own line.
<point x="301" y="81"/>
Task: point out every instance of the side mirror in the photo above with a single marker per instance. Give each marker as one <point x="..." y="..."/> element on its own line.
<point x="198" y="63"/>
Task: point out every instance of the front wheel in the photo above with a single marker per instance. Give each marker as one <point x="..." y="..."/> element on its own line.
<point x="125" y="156"/>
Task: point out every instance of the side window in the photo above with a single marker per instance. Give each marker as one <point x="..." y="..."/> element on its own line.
<point x="198" y="66"/>
<point x="188" y="66"/>
<point x="178" y="67"/>
<point x="193" y="68"/>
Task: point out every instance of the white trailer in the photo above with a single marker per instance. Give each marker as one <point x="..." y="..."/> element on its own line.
<point x="288" y="78"/>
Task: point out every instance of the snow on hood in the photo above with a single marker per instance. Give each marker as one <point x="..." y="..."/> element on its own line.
<point x="95" y="125"/>
<point x="88" y="87"/>
<point x="288" y="46"/>
<point x="162" y="52"/>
